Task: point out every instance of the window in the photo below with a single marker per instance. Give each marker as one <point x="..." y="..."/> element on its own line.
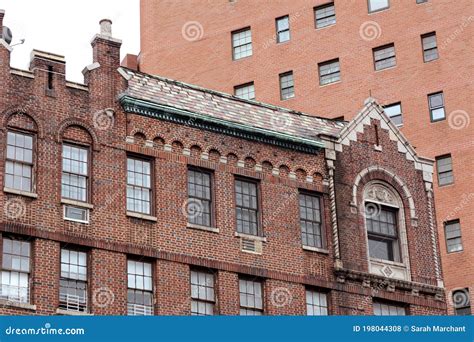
<point x="140" y="289"/>
<point x="316" y="303"/>
<point x="75" y="177"/>
<point x="444" y="165"/>
<point x="287" y="86"/>
<point x="436" y="103"/>
<point x="430" y="47"/>
<point x="246" y="199"/>
<point x="382" y="232"/>
<point x="378" y="5"/>
<point x="325" y="15"/>
<point x="245" y="91"/>
<point x="385" y="309"/>
<point x="310" y="220"/>
<point x="329" y="72"/>
<point x="452" y="231"/>
<point x="19" y="162"/>
<point x="251" y="297"/>
<point x="283" y="29"/>
<point x="394" y="112"/>
<point x="421" y="1"/>
<point x="139" y="192"/>
<point x="462" y="302"/>
<point x="384" y="57"/>
<point x="15" y="271"/>
<point x="73" y="282"/>
<point x="199" y="192"/>
<point x="242" y="43"/>
<point x="202" y="293"/>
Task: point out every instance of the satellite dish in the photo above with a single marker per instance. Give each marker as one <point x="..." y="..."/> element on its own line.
<point x="7" y="34"/>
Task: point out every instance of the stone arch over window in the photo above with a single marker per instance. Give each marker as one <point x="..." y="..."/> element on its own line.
<point x="75" y="122"/>
<point x="26" y="120"/>
<point x="385" y="231"/>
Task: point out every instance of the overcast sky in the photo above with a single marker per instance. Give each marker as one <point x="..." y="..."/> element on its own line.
<point x="66" y="27"/>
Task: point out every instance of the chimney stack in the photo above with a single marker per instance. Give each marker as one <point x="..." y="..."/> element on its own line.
<point x="2" y="14"/>
<point x="106" y="28"/>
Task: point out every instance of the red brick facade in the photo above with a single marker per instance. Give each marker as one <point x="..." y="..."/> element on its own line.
<point x="95" y="115"/>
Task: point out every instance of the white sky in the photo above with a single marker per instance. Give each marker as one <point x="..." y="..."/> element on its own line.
<point x="66" y="27"/>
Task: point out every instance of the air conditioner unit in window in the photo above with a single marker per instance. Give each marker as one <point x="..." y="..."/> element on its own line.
<point x="76" y="214"/>
<point x="251" y="246"/>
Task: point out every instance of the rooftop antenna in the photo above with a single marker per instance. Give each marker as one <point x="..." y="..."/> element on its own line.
<point x="6" y="34"/>
<point x="22" y="41"/>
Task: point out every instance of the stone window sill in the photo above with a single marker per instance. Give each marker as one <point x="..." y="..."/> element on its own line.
<point x="316" y="249"/>
<point x="8" y="303"/>
<point x="205" y="228"/>
<point x="251" y="237"/>
<point x="72" y="313"/>
<point x="77" y="203"/>
<point x="20" y="192"/>
<point x="142" y="216"/>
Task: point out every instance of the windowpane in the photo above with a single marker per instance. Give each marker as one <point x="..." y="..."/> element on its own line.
<point x="329" y="72"/>
<point x="19" y="162"/>
<point x="202" y="293"/>
<point x="394" y="112"/>
<point x="384" y="57"/>
<point x="310" y="221"/>
<point x="436" y="104"/>
<point x="199" y="193"/>
<point x="445" y="170"/>
<point x="139" y="186"/>
<point x="383" y="309"/>
<point x="251" y="299"/>
<point x="283" y="29"/>
<point x="316" y="303"/>
<point x="242" y="43"/>
<point x="453" y="236"/>
<point x="382" y="234"/>
<point x="246" y="207"/>
<point x="462" y="302"/>
<point x="377" y="5"/>
<point x="325" y="15"/>
<point x="287" y="88"/>
<point x="75" y="173"/>
<point x="430" y="48"/>
<point x="16" y="268"/>
<point x="140" y="288"/>
<point x="246" y="91"/>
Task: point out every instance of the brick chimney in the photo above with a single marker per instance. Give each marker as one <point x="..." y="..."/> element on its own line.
<point x="5" y="49"/>
<point x="106" y="49"/>
<point x="2" y="14"/>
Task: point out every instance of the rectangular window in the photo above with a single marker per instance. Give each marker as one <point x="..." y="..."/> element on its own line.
<point x="436" y="104"/>
<point x="430" y="47"/>
<point x="199" y="208"/>
<point x="421" y="1"/>
<point x="73" y="281"/>
<point x="283" y="29"/>
<point x="75" y="176"/>
<point x="444" y="166"/>
<point x="310" y="220"/>
<point x="384" y="57"/>
<point x="140" y="288"/>
<point x="203" y="297"/>
<point x="382" y="232"/>
<point x="462" y="302"/>
<point x="452" y="231"/>
<point x="19" y="162"/>
<point x="251" y="297"/>
<point x="245" y="91"/>
<point x="378" y="5"/>
<point x="242" y="43"/>
<point x="246" y="200"/>
<point x="15" y="285"/>
<point x="287" y="86"/>
<point x="139" y="190"/>
<point x="394" y="112"/>
<point x="325" y="15"/>
<point x="385" y="309"/>
<point x="316" y="303"/>
<point x="329" y="72"/>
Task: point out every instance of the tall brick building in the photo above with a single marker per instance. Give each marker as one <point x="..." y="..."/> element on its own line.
<point x="137" y="194"/>
<point x="325" y="57"/>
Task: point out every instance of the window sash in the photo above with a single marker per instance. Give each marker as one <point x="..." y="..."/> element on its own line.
<point x="245" y="91"/>
<point x="311" y="220"/>
<point x="200" y="191"/>
<point x="283" y="29"/>
<point x="430" y="47"/>
<point x="19" y="161"/>
<point x="444" y="167"/>
<point x="394" y="112"/>
<point x="378" y="5"/>
<point x="75" y="173"/>
<point x="316" y="303"/>
<point x="329" y="72"/>
<point x="73" y="295"/>
<point x="251" y="297"/>
<point x="325" y="15"/>
<point x="287" y="87"/>
<point x="242" y="43"/>
<point x="247" y="208"/>
<point x="384" y="57"/>
<point x="15" y="286"/>
<point x="202" y="293"/>
<point x="383" y="309"/>
<point x="453" y="236"/>
<point x="436" y="105"/>
<point x="139" y="185"/>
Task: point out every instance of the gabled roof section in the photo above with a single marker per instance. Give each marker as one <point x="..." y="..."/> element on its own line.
<point x="207" y="109"/>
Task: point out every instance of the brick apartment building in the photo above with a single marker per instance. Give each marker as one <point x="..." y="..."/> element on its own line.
<point x="136" y="194"/>
<point x="325" y="58"/>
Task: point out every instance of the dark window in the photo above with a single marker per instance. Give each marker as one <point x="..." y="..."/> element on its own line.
<point x="15" y="284"/>
<point x="421" y="1"/>
<point x="452" y="230"/>
<point x="310" y="220"/>
<point x="73" y="282"/>
<point x="242" y="43"/>
<point x="139" y="189"/>
<point x="384" y="57"/>
<point x="444" y="165"/>
<point x="140" y="288"/>
<point x="394" y="112"/>
<point x="329" y="72"/>
<point x="287" y="86"/>
<point x="436" y="103"/>
<point x="200" y="198"/>
<point x="283" y="29"/>
<point x="75" y="176"/>
<point x="462" y="302"/>
<point x="316" y="303"/>
<point x="378" y="5"/>
<point x="246" y="199"/>
<point x="245" y="91"/>
<point x="251" y="297"/>
<point x="325" y="15"/>
<point x="386" y="309"/>
<point x="202" y="293"/>
<point x="19" y="162"/>
<point x="430" y="47"/>
<point x="382" y="232"/>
